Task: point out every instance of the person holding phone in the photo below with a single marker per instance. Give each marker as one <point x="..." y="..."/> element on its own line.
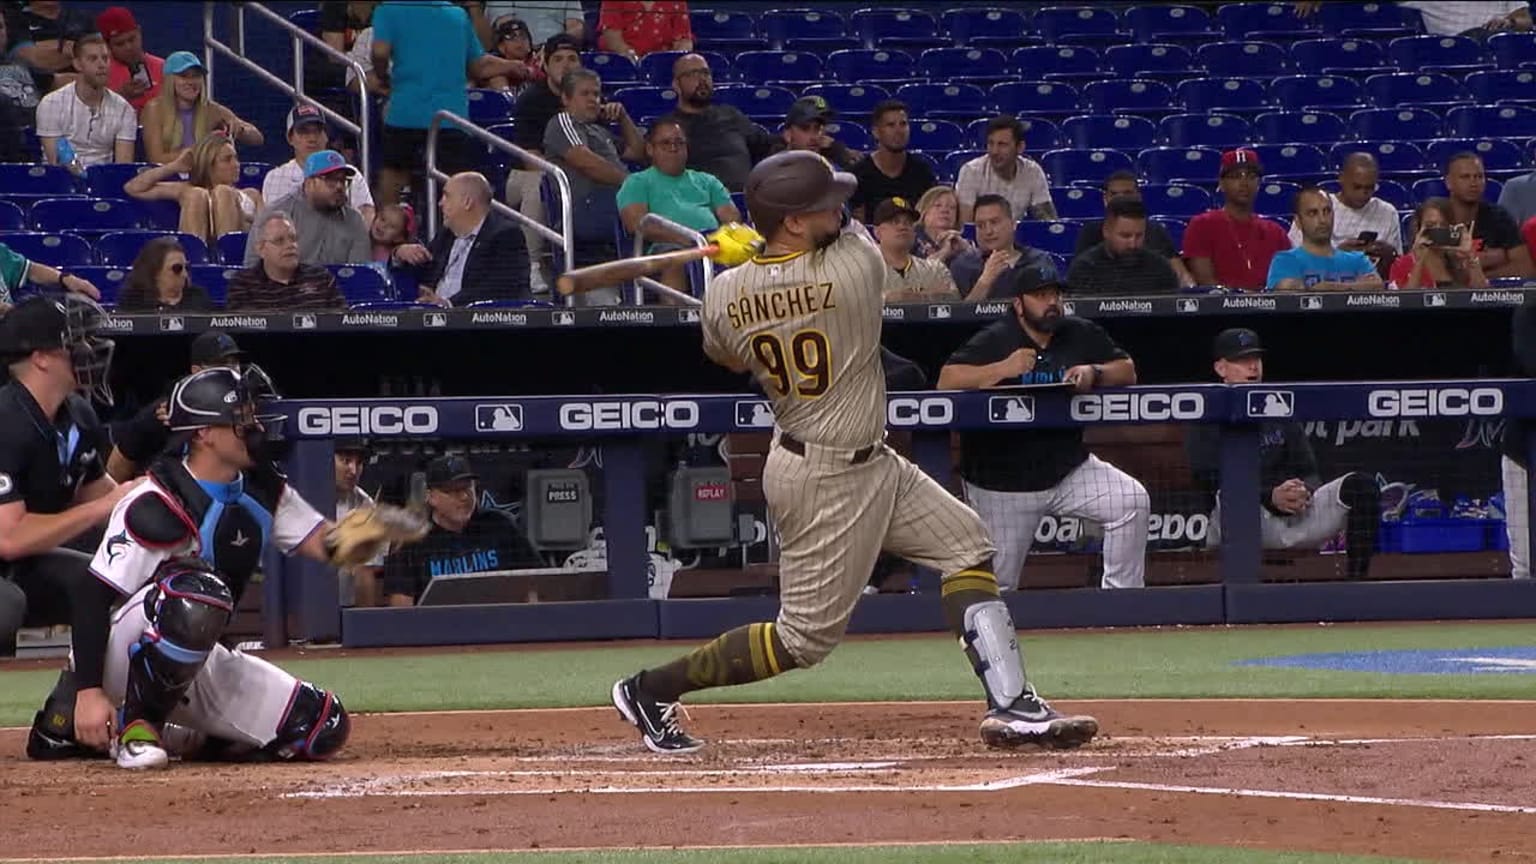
<point x="1361" y="221"/>
<point x="133" y="73"/>
<point x="1442" y="254"/>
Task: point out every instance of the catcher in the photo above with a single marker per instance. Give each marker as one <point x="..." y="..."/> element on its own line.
<point x="178" y="552"/>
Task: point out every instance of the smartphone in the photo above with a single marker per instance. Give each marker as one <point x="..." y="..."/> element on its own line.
<point x="1367" y="237"/>
<point x="141" y="73"/>
<point x="1443" y="236"/>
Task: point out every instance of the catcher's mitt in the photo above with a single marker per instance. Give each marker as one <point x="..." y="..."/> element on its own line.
<point x="737" y="242"/>
<point x="365" y="532"/>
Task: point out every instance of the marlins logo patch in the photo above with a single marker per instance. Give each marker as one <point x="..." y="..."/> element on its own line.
<point x="116" y="546"/>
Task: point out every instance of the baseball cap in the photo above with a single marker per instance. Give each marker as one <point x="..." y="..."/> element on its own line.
<point x="214" y="347"/>
<point x="560" y="41"/>
<point x="449" y="469"/>
<point x="114" y="21"/>
<point x="350" y="445"/>
<point x="509" y="25"/>
<point x="305" y="115"/>
<point x="807" y="109"/>
<point x="1232" y="160"/>
<point x="795" y="181"/>
<point x="324" y="162"/>
<point x="1027" y="280"/>
<point x="34" y="324"/>
<point x="890" y="208"/>
<point x="1236" y="342"/>
<point x="182" y="61"/>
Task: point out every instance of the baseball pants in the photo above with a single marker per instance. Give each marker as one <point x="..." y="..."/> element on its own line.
<point x="1517" y="517"/>
<point x="35" y="592"/>
<point x="1310" y="528"/>
<point x="1095" y="490"/>
<point x="834" y="518"/>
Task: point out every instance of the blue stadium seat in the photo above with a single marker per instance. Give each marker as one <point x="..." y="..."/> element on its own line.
<point x="1136" y="96"/>
<point x="362" y="284"/>
<point x="1130" y="61"/>
<point x="725" y="30"/>
<point x="1123" y="132"/>
<point x="1317" y="92"/>
<point x="1390" y="191"/>
<point x="1434" y="187"/>
<point x="1036" y="97"/>
<point x="161" y="215"/>
<point x="1198" y="165"/>
<point x="1368" y="20"/>
<point x="1264" y="21"/>
<point x="1513" y="50"/>
<point x="944" y="100"/>
<point x="1508" y="85"/>
<point x="1057" y="23"/>
<point x="616" y="70"/>
<point x="974" y="65"/>
<point x="214" y="279"/>
<point x="1391" y="156"/>
<point x="656" y="67"/>
<point x="850" y="100"/>
<point x="1151" y="23"/>
<point x="1304" y="161"/>
<point x="1277" y="127"/>
<point x="108" y="280"/>
<point x="957" y="158"/>
<point x="253" y="174"/>
<point x="895" y="28"/>
<point x="107" y="180"/>
<point x="760" y="67"/>
<point x="863" y="64"/>
<point x="1090" y="166"/>
<point x="1456" y="55"/>
<point x="763" y="104"/>
<point x="1039" y="135"/>
<point x="1059" y="237"/>
<point x="55" y="250"/>
<point x="231" y="248"/>
<point x="853" y="135"/>
<point x="1078" y="202"/>
<point x="644" y="103"/>
<point x="808" y="28"/>
<point x="1175" y="199"/>
<point x="1492" y="121"/>
<point x="985" y="26"/>
<point x="1048" y="61"/>
<point x="1498" y="154"/>
<point x="1274" y="198"/>
<point x="489" y="106"/>
<point x="936" y="135"/>
<point x="1231" y="95"/>
<point x="1254" y="59"/>
<point x="84" y="215"/>
<point x="121" y="247"/>
<point x="307" y="20"/>
<point x="1222" y="131"/>
<point x="1337" y="56"/>
<point x="16" y="179"/>
<point x="11" y="217"/>
<point x="1424" y="88"/>
<point x="1175" y="229"/>
<point x="1408" y="124"/>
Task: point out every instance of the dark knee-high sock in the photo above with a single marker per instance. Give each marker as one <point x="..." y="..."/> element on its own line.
<point x="1361" y="495"/>
<point x="740" y="656"/>
<point x="966" y="588"/>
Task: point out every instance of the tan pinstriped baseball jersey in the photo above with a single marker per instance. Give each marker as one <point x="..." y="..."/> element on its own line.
<point x="923" y="279"/>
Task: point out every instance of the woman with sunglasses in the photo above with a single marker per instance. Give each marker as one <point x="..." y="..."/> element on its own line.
<point x="161" y="282"/>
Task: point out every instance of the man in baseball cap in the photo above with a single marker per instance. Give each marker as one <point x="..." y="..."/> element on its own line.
<point x="797" y="199"/>
<point x="132" y="74"/>
<point x="911" y="279"/>
<point x="330" y="230"/>
<point x="805" y="128"/>
<point x="1232" y="246"/>
<point x="309" y="133"/>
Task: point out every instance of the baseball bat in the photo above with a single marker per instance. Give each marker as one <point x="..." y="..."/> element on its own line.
<point x="584" y="279"/>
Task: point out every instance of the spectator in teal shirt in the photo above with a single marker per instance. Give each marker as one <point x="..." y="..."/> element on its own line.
<point x="1316" y="265"/>
<point x="16" y="270"/>
<point x="693" y="199"/>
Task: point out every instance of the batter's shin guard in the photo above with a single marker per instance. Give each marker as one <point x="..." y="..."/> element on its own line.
<point x="315" y="729"/>
<point x="53" y="728"/>
<point x="1361" y="495"/>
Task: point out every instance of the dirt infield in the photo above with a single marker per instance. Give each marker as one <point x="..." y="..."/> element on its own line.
<point x="1439" y="780"/>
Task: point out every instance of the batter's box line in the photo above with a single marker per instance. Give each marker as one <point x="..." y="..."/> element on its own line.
<point x="1295" y="796"/>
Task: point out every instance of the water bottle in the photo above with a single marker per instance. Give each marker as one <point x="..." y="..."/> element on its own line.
<point x="69" y="158"/>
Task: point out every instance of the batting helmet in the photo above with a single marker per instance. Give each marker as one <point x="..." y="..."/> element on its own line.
<point x="795" y="181"/>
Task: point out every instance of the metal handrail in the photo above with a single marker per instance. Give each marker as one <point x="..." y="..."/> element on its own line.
<point x="562" y="183"/>
<point x="656" y="220"/>
<point x="211" y="45"/>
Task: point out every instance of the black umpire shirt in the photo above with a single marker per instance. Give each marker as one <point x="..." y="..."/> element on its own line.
<point x="490" y="541"/>
<point x="1030" y="460"/>
<point x="1284" y="453"/>
<point x="44" y="462"/>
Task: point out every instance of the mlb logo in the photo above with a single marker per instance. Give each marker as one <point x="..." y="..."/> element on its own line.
<point x="434" y="319"/>
<point x="754" y="415"/>
<point x="938" y="312"/>
<point x="1434" y="300"/>
<point x="1189" y="304"/>
<point x="688" y="316"/>
<point x="1011" y="409"/>
<point x="304" y="322"/>
<point x="506" y="417"/>
<point x="172" y="325"/>
<point x="1069" y="308"/>
<point x="1311" y="303"/>
<point x="564" y="319"/>
<point x="1271" y="403"/>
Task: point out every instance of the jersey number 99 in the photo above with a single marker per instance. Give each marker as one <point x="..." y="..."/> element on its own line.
<point x="805" y="369"/>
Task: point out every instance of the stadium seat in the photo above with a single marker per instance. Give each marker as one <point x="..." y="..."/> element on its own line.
<point x="161" y="215"/>
<point x="1391" y="156"/>
<point x="1049" y="61"/>
<point x="1424" y="88"/>
<point x="1274" y="198"/>
<point x="644" y="103"/>
<point x="1078" y="202"/>
<point x="1278" y="127"/>
<point x="1407" y="124"/>
<point x="853" y="135"/>
<point x="950" y="167"/>
<point x="1513" y="50"/>
<point x="1508" y="85"/>
<point x="1317" y="92"/>
<point x="1492" y="121"/>
<point x="108" y="280"/>
<point x="1498" y="154"/>
<point x="1291" y="160"/>
<point x="120" y="248"/>
<point x="973" y="65"/>
<point x="850" y="100"/>
<point x="1059" y="23"/>
<point x="1151" y="23"/>
<point x="1175" y="229"/>
<point x="1059" y="237"/>
<point x="489" y="106"/>
<point x="1264" y="21"/>
<point x="726" y="31"/>
<point x="1368" y="20"/>
<point x="1434" y="187"/>
<point x="616" y="70"/>
<point x="656" y="67"/>
<point x="16" y="179"/>
<point x="1175" y="199"/>
<point x="11" y="217"/>
<point x="231" y="248"/>
<point x="253" y="174"/>
<point x="1254" y="59"/>
<point x="1456" y="55"/>
<point x="1198" y="165"/>
<point x="362" y="284"/>
<point x="896" y="28"/>
<point x="763" y="104"/>
<point x="55" y="250"/>
<point x="1089" y="166"/>
<point x="1230" y="95"/>
<point x="1129" y="61"/>
<point x="944" y="100"/>
<point x="761" y="67"/>
<point x="1337" y="56"/>
<point x="1222" y="131"/>
<point x="936" y="135"/>
<point x="1039" y="135"/>
<point x="1136" y="96"/>
<point x="83" y="215"/>
<point x="985" y="26"/>
<point x="107" y="180"/>
<point x="808" y="29"/>
<point x="863" y="64"/>
<point x="1122" y="132"/>
<point x="214" y="279"/>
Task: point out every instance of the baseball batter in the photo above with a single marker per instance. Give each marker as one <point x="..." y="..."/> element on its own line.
<point x="804" y="318"/>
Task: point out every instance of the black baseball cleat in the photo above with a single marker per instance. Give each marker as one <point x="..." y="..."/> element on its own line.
<point x="657" y="722"/>
<point x="1031" y="720"/>
<point x="50" y="741"/>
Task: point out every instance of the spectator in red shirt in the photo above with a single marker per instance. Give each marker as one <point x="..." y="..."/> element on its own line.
<point x="1427" y="263"/>
<point x="132" y="74"/>
<point x="1232" y="246"/>
<point x="639" y="27"/>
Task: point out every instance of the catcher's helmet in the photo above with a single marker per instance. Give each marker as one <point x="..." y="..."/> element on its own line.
<point x="222" y="396"/>
<point x="795" y="181"/>
<point x="72" y="322"/>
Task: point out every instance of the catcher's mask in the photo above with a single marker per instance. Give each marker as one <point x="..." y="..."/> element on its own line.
<point x="72" y="322"/>
<point x="223" y="396"/>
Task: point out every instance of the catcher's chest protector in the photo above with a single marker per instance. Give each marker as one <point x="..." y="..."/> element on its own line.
<point x="234" y="520"/>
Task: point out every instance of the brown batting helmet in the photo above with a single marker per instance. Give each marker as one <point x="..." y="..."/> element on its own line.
<point x="795" y="181"/>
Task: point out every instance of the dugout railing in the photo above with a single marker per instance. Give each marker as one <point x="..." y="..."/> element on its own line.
<point x="301" y="601"/>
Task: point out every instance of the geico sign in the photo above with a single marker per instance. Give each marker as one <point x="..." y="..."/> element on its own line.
<point x="1096" y="407"/>
<point x="1446" y="402"/>
<point x="641" y="414"/>
<point x="368" y="420"/>
<point x="907" y="411"/>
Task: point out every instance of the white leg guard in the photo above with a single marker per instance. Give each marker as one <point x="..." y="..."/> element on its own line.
<point x="993" y="647"/>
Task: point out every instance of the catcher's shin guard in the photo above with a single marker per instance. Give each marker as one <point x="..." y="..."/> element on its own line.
<point x="187" y="609"/>
<point x="315" y="729"/>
